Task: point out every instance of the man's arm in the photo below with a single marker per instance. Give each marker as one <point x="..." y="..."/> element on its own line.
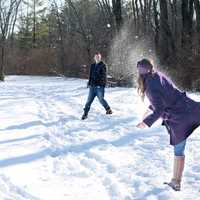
<point x="104" y="74"/>
<point x="90" y="76"/>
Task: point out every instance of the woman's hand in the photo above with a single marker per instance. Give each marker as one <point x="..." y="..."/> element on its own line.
<point x="142" y="125"/>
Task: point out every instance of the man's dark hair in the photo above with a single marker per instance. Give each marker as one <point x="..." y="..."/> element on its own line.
<point x="97" y="53"/>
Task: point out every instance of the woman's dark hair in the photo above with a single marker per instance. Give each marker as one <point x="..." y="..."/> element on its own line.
<point x="141" y="77"/>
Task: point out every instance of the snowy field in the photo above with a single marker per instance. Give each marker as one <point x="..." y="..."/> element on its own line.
<point x="48" y="153"/>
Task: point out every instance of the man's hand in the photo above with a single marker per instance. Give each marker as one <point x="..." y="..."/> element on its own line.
<point x="142" y="125"/>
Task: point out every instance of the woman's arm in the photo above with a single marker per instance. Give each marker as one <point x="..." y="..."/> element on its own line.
<point x="142" y="124"/>
<point x="155" y="97"/>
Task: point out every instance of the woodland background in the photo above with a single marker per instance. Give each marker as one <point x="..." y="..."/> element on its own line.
<point x="52" y="37"/>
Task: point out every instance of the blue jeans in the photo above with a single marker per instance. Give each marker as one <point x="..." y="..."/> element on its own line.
<point x="180" y="148"/>
<point x="93" y="92"/>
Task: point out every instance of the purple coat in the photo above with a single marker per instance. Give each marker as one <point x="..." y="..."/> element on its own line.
<point x="180" y="114"/>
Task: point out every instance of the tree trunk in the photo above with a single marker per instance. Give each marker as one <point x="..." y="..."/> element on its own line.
<point x="134" y="14"/>
<point x="197" y="9"/>
<point x="2" y="59"/>
<point x="60" y="40"/>
<point x="34" y="23"/>
<point x="143" y="13"/>
<point x="187" y="23"/>
<point x="62" y="48"/>
<point x="137" y="16"/>
<point x="82" y="31"/>
<point x="117" y="11"/>
<point x="174" y="24"/>
<point x="149" y="15"/>
<point x="164" y="52"/>
<point x="156" y="21"/>
<point x="175" y="19"/>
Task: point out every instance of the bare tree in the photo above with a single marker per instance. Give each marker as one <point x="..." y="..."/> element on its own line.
<point x="166" y="36"/>
<point x="156" y="22"/>
<point x="187" y="20"/>
<point x="8" y="11"/>
<point x="134" y="13"/>
<point x="82" y="30"/>
<point x="13" y="22"/>
<point x="117" y="11"/>
<point x="163" y="32"/>
<point x="60" y="36"/>
<point x="174" y="16"/>
<point x="107" y="10"/>
<point x="197" y="9"/>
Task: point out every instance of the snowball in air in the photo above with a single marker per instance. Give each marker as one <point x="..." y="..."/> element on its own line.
<point x="108" y="25"/>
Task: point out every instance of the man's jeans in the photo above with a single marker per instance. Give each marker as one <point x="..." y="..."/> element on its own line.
<point x="180" y="148"/>
<point x="93" y="92"/>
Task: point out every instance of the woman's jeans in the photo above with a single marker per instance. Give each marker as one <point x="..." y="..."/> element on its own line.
<point x="93" y="92"/>
<point x="180" y="148"/>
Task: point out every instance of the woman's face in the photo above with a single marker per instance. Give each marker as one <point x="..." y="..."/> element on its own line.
<point x="144" y="67"/>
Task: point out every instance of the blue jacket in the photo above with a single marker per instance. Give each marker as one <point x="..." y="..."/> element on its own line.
<point x="180" y="114"/>
<point x="97" y="75"/>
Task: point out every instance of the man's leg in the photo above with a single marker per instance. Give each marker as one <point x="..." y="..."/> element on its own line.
<point x="100" y="95"/>
<point x="90" y="99"/>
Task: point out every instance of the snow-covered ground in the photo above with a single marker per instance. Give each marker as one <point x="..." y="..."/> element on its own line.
<point x="48" y="153"/>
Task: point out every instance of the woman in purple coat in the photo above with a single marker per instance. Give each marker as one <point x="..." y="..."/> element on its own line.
<point x="180" y="114"/>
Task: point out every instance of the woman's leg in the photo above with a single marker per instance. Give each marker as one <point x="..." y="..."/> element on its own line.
<point x="179" y="149"/>
<point x="179" y="162"/>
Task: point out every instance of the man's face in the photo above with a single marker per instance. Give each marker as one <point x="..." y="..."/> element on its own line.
<point x="97" y="58"/>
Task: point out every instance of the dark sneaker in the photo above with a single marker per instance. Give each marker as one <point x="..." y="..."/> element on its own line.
<point x="84" y="117"/>
<point x="108" y="111"/>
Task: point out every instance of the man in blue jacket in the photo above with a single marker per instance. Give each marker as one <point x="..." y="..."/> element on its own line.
<point x="96" y="84"/>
